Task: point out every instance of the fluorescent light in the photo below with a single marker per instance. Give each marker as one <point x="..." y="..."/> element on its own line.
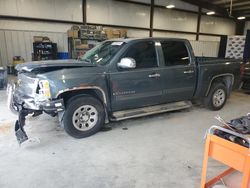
<point x="170" y="6"/>
<point x="210" y="13"/>
<point x="241" y="18"/>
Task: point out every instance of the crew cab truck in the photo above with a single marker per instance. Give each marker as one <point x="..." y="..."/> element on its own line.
<point x="121" y="79"/>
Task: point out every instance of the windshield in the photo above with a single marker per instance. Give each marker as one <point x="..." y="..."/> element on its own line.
<point x="102" y="53"/>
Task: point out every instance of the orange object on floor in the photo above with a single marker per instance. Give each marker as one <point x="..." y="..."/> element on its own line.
<point x="233" y="155"/>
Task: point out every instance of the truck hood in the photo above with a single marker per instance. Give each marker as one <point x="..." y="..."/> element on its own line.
<point x="52" y="65"/>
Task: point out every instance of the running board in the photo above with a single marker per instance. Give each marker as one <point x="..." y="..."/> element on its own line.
<point x="126" y="114"/>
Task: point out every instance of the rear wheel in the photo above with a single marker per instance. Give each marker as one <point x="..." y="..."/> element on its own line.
<point x="217" y="97"/>
<point x="84" y="116"/>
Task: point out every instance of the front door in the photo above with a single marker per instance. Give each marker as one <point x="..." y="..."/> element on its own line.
<point x="137" y="87"/>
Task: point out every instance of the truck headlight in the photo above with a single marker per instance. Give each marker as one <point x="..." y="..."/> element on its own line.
<point x="44" y="88"/>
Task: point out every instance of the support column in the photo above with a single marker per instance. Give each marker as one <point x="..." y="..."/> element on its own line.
<point x="84" y="11"/>
<point x="198" y="24"/>
<point x="151" y="18"/>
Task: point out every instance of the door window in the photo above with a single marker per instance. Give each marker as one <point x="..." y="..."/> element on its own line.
<point x="175" y="53"/>
<point x="144" y="54"/>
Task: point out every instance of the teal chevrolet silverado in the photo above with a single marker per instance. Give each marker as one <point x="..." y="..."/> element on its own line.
<point x="120" y="79"/>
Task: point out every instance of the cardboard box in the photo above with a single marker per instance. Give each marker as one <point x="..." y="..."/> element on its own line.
<point x="38" y="38"/>
<point x="41" y="39"/>
<point x="123" y="33"/>
<point x="109" y="33"/>
<point x="83" y="46"/>
<point x="72" y="33"/>
<point x="115" y="33"/>
<point x="77" y="42"/>
<point x="75" y="27"/>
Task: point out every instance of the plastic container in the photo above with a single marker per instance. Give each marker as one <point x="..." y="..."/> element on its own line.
<point x="3" y="78"/>
<point x="10" y="69"/>
<point x="63" y="55"/>
<point x="17" y="60"/>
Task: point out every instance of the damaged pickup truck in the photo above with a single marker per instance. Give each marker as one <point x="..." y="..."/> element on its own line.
<point x="120" y="79"/>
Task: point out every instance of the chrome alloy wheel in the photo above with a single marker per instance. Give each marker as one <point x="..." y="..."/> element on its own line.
<point x="85" y="117"/>
<point x="219" y="97"/>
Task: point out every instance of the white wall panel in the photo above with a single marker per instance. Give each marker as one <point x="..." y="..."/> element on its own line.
<point x="98" y="11"/>
<point x="208" y="38"/>
<point x="117" y="13"/>
<point x="216" y="25"/>
<point x="178" y="4"/>
<point x="68" y="10"/>
<point x="9" y="47"/>
<point x="205" y="48"/>
<point x="8" y="7"/>
<point x="21" y="41"/>
<point x="3" y="49"/>
<point x="28" y="45"/>
<point x="175" y="20"/>
<point x="174" y="35"/>
<point x="15" y="43"/>
<point x="48" y="9"/>
<point x="36" y="8"/>
<point x="34" y="26"/>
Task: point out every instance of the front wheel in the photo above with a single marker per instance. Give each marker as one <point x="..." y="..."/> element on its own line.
<point x="84" y="116"/>
<point x="217" y="97"/>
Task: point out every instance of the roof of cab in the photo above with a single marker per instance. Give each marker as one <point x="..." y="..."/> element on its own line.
<point x="127" y="40"/>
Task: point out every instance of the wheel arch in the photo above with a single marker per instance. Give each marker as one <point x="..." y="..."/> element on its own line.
<point x="227" y="79"/>
<point x="96" y="92"/>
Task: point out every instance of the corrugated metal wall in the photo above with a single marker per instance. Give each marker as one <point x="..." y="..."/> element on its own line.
<point x="120" y="13"/>
<point x="48" y="9"/>
<point x="19" y="43"/>
<point x="205" y="48"/>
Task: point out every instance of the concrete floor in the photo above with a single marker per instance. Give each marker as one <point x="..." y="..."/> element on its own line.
<point x="163" y="150"/>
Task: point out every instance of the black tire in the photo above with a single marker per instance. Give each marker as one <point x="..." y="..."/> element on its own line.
<point x="210" y="100"/>
<point x="72" y="110"/>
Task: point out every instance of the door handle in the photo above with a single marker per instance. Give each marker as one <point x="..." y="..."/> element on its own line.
<point x="188" y="72"/>
<point x="154" y="75"/>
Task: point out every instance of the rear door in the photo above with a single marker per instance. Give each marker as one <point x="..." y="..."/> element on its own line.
<point x="137" y="87"/>
<point x="178" y="72"/>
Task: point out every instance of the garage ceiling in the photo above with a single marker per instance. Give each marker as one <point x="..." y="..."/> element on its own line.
<point x="232" y="8"/>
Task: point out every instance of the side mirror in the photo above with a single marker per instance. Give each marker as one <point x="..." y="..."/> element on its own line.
<point x="127" y="63"/>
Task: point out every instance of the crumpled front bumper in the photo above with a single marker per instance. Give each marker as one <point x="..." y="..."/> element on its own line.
<point x="17" y="99"/>
<point x="24" y="101"/>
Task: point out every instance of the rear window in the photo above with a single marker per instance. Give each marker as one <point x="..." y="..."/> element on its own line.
<point x="175" y="53"/>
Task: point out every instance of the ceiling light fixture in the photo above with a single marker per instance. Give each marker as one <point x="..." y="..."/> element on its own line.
<point x="211" y="13"/>
<point x="241" y="18"/>
<point x="170" y="6"/>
